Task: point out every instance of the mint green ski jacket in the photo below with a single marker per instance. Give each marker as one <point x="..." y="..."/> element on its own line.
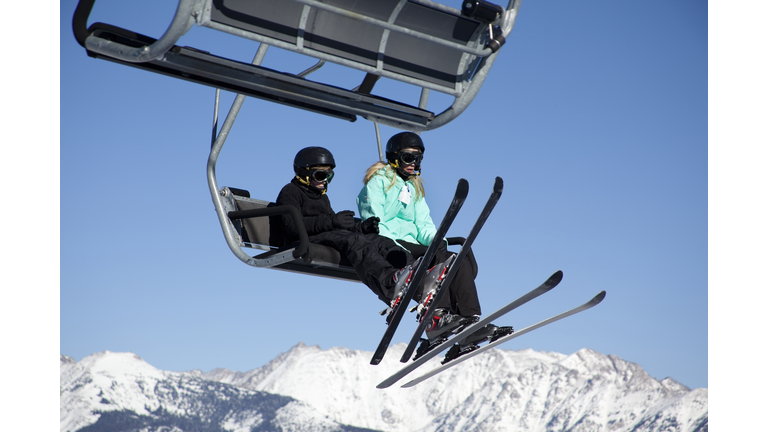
<point x="401" y="215"/>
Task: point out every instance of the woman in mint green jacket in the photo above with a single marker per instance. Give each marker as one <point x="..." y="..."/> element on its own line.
<point x="394" y="193"/>
<point x="399" y="204"/>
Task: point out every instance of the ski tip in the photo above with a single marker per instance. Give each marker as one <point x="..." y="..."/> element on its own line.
<point x="498" y="186"/>
<point x="462" y="189"/>
<point x="598" y="298"/>
<point x="375" y="360"/>
<point x="556" y="278"/>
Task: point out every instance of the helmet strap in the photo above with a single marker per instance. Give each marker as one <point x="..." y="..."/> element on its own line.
<point x="402" y="173"/>
<point x="305" y="181"/>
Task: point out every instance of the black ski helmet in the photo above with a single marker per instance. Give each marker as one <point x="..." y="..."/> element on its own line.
<point x="401" y="141"/>
<point x="311" y="156"/>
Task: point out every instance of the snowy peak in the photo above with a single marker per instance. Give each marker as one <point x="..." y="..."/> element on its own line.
<point x="113" y="391"/>
<point x="533" y="391"/>
<point x="307" y="388"/>
<point x="628" y="375"/>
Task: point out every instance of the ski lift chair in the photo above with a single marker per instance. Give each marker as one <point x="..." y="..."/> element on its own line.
<point x="253" y="223"/>
<point x="419" y="42"/>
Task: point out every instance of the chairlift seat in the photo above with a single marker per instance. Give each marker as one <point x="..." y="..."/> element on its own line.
<point x="317" y="32"/>
<point x="254" y="222"/>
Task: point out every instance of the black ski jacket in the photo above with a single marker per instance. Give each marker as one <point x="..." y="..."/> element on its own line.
<point x="315" y="207"/>
<point x="374" y="257"/>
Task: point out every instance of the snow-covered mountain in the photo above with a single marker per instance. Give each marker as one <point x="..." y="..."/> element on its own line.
<point x="322" y="390"/>
<point x="120" y="392"/>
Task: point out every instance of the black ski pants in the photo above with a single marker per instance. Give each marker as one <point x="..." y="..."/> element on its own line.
<point x="374" y="258"/>
<point x="462" y="295"/>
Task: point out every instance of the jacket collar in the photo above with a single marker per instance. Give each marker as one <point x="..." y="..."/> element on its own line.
<point x="309" y="190"/>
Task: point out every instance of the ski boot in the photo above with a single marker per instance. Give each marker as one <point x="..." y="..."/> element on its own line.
<point x="402" y="279"/>
<point x="433" y="281"/>
<point x="488" y="333"/>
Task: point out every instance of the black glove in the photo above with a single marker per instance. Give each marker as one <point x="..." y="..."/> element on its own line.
<point x="344" y="219"/>
<point x="370" y="225"/>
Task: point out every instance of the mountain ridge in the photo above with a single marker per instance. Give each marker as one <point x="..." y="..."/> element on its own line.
<point x="334" y="389"/>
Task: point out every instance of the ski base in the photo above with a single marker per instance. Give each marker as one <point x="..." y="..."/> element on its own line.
<point x="471" y="353"/>
<point x="548" y="285"/>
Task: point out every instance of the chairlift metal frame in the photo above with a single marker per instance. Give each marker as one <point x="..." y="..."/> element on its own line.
<point x="463" y="44"/>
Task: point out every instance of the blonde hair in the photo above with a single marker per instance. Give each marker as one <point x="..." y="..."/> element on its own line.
<point x="390" y="173"/>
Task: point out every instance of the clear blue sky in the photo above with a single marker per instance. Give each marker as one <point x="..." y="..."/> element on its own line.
<point x="595" y="115"/>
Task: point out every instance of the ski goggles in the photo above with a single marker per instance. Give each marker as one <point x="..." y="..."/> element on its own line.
<point x="321" y="175"/>
<point x="411" y="158"/>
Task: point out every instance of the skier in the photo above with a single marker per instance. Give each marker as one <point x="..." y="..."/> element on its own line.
<point x="394" y="193"/>
<point x="379" y="262"/>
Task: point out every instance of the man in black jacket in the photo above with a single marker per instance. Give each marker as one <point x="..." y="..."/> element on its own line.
<point x="378" y="261"/>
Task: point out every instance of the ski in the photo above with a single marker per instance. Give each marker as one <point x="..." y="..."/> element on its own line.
<point x="548" y="285"/>
<point x="426" y="317"/>
<point x="462" y="190"/>
<point x="446" y="365"/>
